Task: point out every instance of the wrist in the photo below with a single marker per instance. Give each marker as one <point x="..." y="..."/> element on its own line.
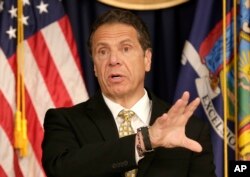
<point x="139" y="144"/>
<point x="153" y="139"/>
<point x="143" y="141"/>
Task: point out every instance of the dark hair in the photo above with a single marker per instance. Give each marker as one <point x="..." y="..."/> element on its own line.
<point x="125" y="17"/>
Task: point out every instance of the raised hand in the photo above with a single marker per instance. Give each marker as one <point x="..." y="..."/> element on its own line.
<point x="169" y="130"/>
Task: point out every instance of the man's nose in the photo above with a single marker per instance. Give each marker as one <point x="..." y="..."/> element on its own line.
<point x="114" y="58"/>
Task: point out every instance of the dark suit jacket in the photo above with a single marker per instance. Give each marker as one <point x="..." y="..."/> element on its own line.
<point x="83" y="141"/>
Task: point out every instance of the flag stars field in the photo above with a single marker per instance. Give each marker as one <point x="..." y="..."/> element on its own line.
<point x="26" y="2"/>
<point x="11" y="32"/>
<point x="42" y="7"/>
<point x="24" y="20"/>
<point x="13" y="12"/>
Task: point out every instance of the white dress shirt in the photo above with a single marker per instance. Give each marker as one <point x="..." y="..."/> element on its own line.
<point x="142" y="109"/>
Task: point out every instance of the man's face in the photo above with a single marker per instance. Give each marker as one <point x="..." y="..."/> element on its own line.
<point x="119" y="61"/>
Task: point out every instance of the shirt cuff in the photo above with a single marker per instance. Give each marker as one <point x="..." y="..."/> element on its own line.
<point x="137" y="157"/>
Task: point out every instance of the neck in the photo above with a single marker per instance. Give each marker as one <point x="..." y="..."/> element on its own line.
<point x="127" y="101"/>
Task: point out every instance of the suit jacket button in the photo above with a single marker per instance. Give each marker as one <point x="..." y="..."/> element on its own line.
<point x="114" y="165"/>
<point x="125" y="163"/>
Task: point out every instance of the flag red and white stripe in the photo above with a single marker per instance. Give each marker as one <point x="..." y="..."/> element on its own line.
<point x="53" y="78"/>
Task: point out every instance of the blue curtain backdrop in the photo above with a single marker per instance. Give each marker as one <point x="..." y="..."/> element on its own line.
<point x="169" y="28"/>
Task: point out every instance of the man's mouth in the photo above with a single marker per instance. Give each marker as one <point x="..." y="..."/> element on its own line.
<point x="116" y="78"/>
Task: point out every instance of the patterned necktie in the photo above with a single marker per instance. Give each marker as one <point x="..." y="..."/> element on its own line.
<point x="126" y="129"/>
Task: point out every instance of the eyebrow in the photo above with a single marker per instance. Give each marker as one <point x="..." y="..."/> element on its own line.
<point x="126" y="40"/>
<point x="101" y="44"/>
<point x="106" y="44"/>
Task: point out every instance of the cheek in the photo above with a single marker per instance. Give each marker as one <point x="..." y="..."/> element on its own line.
<point x="136" y="66"/>
<point x="99" y="68"/>
<point x="139" y="70"/>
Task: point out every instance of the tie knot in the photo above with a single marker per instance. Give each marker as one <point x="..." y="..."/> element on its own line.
<point x="126" y="114"/>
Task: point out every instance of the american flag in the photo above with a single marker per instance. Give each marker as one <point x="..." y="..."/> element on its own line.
<point x="52" y="77"/>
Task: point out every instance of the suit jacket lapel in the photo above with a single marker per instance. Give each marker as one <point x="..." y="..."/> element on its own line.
<point x="102" y="117"/>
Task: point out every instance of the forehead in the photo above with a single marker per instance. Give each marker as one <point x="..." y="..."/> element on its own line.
<point x="115" y="32"/>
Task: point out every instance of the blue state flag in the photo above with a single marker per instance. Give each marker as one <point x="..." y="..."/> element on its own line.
<point x="201" y="71"/>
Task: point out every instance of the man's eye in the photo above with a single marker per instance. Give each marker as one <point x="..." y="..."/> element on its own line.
<point x="102" y="52"/>
<point x="126" y="49"/>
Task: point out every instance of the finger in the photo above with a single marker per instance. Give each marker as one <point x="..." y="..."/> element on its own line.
<point x="185" y="96"/>
<point x="179" y="107"/>
<point x="189" y="110"/>
<point x="192" y="107"/>
<point x="162" y="120"/>
<point x="184" y="102"/>
<point x="192" y="145"/>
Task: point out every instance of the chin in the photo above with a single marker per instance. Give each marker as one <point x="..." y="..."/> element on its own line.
<point x="119" y="92"/>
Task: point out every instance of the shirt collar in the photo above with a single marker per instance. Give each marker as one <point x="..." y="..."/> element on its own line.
<point x="142" y="107"/>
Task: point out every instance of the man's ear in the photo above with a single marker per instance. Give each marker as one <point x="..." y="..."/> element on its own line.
<point x="147" y="59"/>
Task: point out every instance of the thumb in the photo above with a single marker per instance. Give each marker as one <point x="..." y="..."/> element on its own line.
<point x="192" y="145"/>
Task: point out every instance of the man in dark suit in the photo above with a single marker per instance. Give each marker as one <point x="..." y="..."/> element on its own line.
<point x="124" y="130"/>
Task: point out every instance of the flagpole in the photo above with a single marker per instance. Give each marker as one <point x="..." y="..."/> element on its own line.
<point x="225" y="90"/>
<point x="235" y="79"/>
<point x="20" y="131"/>
<point x="18" y="127"/>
